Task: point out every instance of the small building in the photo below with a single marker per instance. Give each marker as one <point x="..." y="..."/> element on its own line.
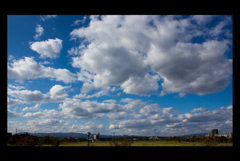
<point x="96" y="137"/>
<point x="227" y="135"/>
<point x="214" y="131"/>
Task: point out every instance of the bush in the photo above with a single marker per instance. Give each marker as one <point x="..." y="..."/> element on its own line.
<point x="209" y="141"/>
<point x="118" y="142"/>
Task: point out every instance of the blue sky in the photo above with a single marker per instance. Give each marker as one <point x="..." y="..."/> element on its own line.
<point x="123" y="74"/>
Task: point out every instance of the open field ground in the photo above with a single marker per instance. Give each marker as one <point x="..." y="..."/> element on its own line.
<point x="141" y="143"/>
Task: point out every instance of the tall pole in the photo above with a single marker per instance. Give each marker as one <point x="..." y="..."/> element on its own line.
<point x="88" y="133"/>
<point x="155" y="133"/>
<point x="88" y="140"/>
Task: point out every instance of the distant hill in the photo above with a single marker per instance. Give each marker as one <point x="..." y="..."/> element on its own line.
<point x="83" y="135"/>
<point x="62" y="135"/>
<point x="74" y="135"/>
<point x="198" y="134"/>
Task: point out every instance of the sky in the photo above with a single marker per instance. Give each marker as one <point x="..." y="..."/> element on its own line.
<point x="122" y="74"/>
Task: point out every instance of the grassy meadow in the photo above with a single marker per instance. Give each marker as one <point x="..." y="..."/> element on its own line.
<point x="140" y="143"/>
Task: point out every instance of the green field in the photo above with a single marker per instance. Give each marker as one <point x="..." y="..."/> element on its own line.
<point x="141" y="143"/>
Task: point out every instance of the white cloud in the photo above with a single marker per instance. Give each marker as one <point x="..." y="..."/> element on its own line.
<point x="16" y="87"/>
<point x="203" y="19"/>
<point x="78" y="22"/>
<point x="24" y="69"/>
<point x="47" y="125"/>
<point x="188" y="67"/>
<point x="168" y="119"/>
<point x="117" y="116"/>
<point x="124" y="50"/>
<point x="219" y="28"/>
<point x="28" y="96"/>
<point x="141" y="86"/>
<point x="46" y="17"/>
<point x="56" y="94"/>
<point x="96" y="94"/>
<point x="137" y="55"/>
<point x="131" y="104"/>
<point x="110" y="101"/>
<point x="88" y="126"/>
<point x="11" y="114"/>
<point x="130" y="114"/>
<point x="200" y="109"/>
<point x="28" y="68"/>
<point x="111" y="65"/>
<point x="48" y="49"/>
<point x="75" y="108"/>
<point x="39" y="31"/>
<point x="36" y="107"/>
<point x="44" y="114"/>
<point x="13" y="102"/>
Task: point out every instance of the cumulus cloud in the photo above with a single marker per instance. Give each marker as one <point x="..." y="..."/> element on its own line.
<point x="46" y="125"/>
<point x="75" y="108"/>
<point x="203" y="19"/>
<point x="44" y="114"/>
<point x="130" y="115"/>
<point x="56" y="93"/>
<point x="190" y="66"/>
<point x="137" y="85"/>
<point x="137" y="52"/>
<point x="36" y="107"/>
<point x="11" y="114"/>
<point x="28" y="96"/>
<point x="147" y="116"/>
<point x="151" y="116"/>
<point x="50" y="48"/>
<point x="100" y="93"/>
<point x="13" y="102"/>
<point x="77" y="22"/>
<point x="28" y="68"/>
<point x="139" y="55"/>
<point x="118" y="66"/>
<point x="200" y="109"/>
<point x="39" y="31"/>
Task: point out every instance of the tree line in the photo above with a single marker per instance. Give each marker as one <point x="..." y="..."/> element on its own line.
<point x="30" y="140"/>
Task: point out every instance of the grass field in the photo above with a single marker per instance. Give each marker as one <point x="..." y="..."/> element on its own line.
<point x="142" y="143"/>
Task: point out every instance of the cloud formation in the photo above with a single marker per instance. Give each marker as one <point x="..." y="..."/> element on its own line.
<point x="119" y="66"/>
<point x="128" y="116"/>
<point x="124" y="54"/>
<point x="39" y="31"/>
<point x="46" y="17"/>
<point x="28" y="68"/>
<point x="48" y="49"/>
<point x="56" y="94"/>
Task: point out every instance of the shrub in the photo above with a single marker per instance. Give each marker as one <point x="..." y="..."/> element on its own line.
<point x="118" y="142"/>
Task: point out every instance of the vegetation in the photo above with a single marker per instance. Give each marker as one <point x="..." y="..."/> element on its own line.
<point x="121" y="142"/>
<point x="28" y="140"/>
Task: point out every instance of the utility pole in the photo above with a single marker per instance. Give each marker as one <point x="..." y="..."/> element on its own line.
<point x="155" y="133"/>
<point x="88" y="133"/>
